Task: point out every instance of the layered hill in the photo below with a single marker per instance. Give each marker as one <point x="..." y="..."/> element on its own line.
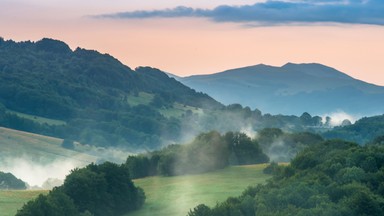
<point x="291" y="89"/>
<point x="97" y="98"/>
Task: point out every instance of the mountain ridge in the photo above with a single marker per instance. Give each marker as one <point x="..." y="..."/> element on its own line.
<point x="268" y="87"/>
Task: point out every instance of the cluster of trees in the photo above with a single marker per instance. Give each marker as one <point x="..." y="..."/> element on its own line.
<point x="208" y="152"/>
<point x="282" y="146"/>
<point x="334" y="177"/>
<point x="99" y="190"/>
<point x="9" y="182"/>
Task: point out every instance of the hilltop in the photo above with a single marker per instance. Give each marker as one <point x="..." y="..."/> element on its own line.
<point x="291" y="89"/>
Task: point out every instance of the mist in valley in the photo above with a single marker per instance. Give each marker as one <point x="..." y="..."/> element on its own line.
<point x="36" y="174"/>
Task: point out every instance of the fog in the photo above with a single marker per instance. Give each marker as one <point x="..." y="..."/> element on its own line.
<point x="338" y="117"/>
<point x="35" y="174"/>
<point x="40" y="173"/>
<point x="249" y="131"/>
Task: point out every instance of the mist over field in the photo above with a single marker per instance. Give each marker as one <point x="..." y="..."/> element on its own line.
<point x="41" y="172"/>
<point x="35" y="173"/>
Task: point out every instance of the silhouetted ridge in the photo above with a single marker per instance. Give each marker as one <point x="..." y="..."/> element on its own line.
<point x="51" y="45"/>
<point x="291" y="89"/>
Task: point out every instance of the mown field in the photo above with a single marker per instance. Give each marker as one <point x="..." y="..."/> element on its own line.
<point x="177" y="195"/>
<point x="12" y="200"/>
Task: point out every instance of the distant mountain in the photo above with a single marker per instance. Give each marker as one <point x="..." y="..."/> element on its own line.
<point x="291" y="89"/>
<point x="98" y="99"/>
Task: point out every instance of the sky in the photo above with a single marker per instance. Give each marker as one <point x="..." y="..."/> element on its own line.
<point x="202" y="37"/>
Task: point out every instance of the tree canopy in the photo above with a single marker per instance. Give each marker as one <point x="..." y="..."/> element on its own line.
<point x="99" y="190"/>
<point x="333" y="177"/>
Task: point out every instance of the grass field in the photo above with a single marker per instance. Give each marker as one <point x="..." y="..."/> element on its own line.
<point x="177" y="195"/>
<point x="11" y="201"/>
<point x="43" y="149"/>
<point x="142" y="98"/>
<point x="168" y="195"/>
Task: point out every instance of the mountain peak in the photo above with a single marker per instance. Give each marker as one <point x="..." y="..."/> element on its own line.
<point x="51" y="45"/>
<point x="316" y="70"/>
<point x="291" y="88"/>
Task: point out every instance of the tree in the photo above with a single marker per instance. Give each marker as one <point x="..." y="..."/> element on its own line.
<point x="56" y="203"/>
<point x="200" y="210"/>
<point x="100" y="190"/>
<point x="68" y="144"/>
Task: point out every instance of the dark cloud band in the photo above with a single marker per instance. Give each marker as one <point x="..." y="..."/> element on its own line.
<point x="276" y="12"/>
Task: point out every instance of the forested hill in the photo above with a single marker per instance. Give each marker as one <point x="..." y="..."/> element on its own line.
<point x="364" y="131"/>
<point x="99" y="99"/>
<point x="47" y="78"/>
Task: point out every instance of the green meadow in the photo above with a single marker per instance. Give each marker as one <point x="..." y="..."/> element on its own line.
<point x="43" y="149"/>
<point x="169" y="195"/>
<point x="177" y="195"/>
<point x="12" y="200"/>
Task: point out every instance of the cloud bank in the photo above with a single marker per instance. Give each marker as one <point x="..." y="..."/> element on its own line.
<point x="276" y="12"/>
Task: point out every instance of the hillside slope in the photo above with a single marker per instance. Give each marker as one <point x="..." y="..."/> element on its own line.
<point x="291" y="89"/>
<point x="100" y="100"/>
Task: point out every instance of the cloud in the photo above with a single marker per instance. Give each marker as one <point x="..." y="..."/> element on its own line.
<point x="276" y="12"/>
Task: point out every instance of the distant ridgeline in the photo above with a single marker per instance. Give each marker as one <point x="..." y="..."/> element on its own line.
<point x="291" y="89"/>
<point x="82" y="95"/>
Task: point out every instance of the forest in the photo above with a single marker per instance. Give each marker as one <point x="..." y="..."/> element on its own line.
<point x="334" y="177"/>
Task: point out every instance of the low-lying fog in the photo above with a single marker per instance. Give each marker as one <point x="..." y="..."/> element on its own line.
<point x="47" y="175"/>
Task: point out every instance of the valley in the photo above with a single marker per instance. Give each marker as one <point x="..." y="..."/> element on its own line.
<point x="102" y="134"/>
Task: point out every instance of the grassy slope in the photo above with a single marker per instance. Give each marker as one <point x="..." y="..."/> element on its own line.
<point x="177" y="195"/>
<point x="142" y="98"/>
<point x="43" y="149"/>
<point x="11" y="200"/>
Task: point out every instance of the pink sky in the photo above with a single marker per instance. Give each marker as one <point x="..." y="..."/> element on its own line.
<point x="186" y="46"/>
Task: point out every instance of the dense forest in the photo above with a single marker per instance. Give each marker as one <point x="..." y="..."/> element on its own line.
<point x="99" y="190"/>
<point x="333" y="177"/>
<point x="91" y="92"/>
<point x="102" y="102"/>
